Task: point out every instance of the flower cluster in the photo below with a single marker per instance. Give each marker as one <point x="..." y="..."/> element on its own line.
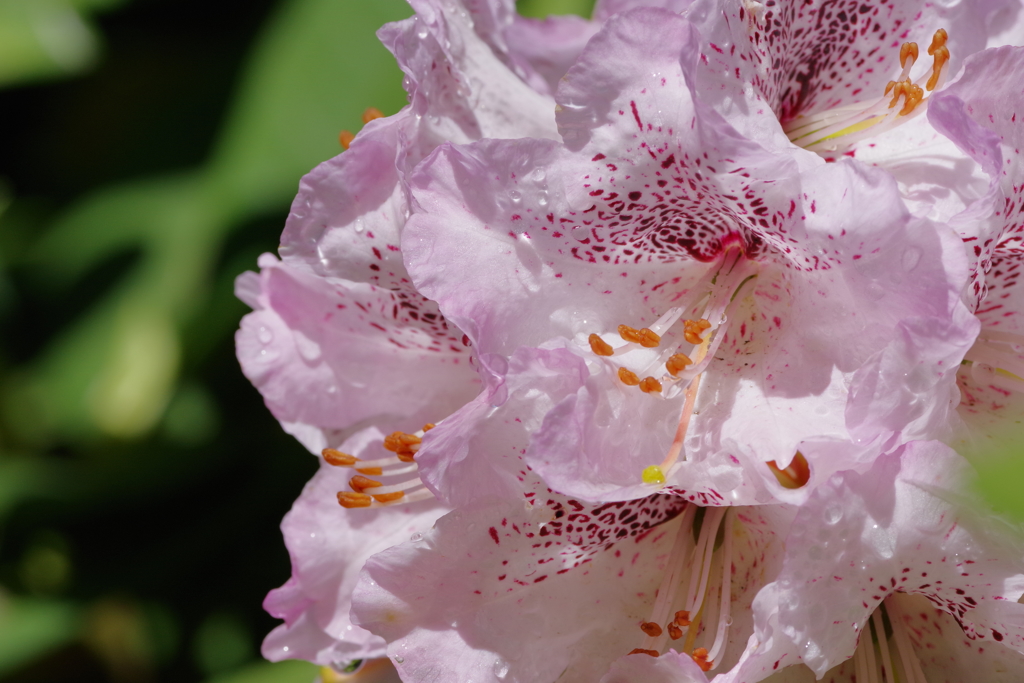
<point x="656" y="347"/>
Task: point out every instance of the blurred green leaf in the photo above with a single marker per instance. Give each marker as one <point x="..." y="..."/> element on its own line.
<point x="46" y="38"/>
<point x="31" y="626"/>
<point x="114" y="371"/>
<point x="1001" y="479"/>
<point x="542" y="8"/>
<point x="265" y="672"/>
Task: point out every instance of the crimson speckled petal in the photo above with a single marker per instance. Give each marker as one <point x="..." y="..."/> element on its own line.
<point x="526" y="242"/>
<point x="857" y="542"/>
<point x="555" y="590"/>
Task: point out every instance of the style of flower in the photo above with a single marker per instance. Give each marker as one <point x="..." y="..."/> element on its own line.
<point x="722" y="295"/>
<point x="914" y="577"/>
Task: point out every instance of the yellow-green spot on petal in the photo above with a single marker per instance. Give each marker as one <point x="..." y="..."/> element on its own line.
<point x="653" y="475"/>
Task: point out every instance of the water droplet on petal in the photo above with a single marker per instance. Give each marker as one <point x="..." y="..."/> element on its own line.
<point x="501" y="669"/>
<point x="416" y="537"/>
<point x="265" y="335"/>
<point x="399" y="659"/>
<point x="911" y="257"/>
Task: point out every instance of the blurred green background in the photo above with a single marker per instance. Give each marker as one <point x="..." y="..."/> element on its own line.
<point x="149" y="150"/>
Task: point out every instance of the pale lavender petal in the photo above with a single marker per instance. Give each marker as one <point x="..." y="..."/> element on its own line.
<point x="861" y="539"/>
<point x="327" y="352"/>
<point x="559" y="588"/>
<point x="328" y="546"/>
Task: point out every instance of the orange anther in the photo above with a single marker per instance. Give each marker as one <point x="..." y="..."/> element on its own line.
<point x="400" y="442"/>
<point x="628" y="377"/>
<point x="700" y="657"/>
<point x="908" y="50"/>
<point x="915" y="94"/>
<point x="360" y="483"/>
<point x="599" y="346"/>
<point x="346" y="137"/>
<point x="938" y="40"/>
<point x="406" y="456"/>
<point x="649" y="385"/>
<point x="651" y="629"/>
<point x="427" y="427"/>
<point x="795" y="475"/>
<point x="941" y="57"/>
<point x="347" y="499"/>
<point x="629" y="334"/>
<point x="648" y="338"/>
<point x="641" y="651"/>
<point x="389" y="497"/>
<point x="682" y="618"/>
<point x="337" y="458"/>
<point x="897" y="92"/>
<point x="888" y="88"/>
<point x="372" y="471"/>
<point x="677" y="363"/>
<point x="674" y="632"/>
<point x="372" y="113"/>
<point x="693" y="330"/>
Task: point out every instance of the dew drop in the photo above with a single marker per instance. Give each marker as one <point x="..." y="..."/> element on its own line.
<point x="911" y="257"/>
<point x="515" y="196"/>
<point x="265" y="336"/>
<point x="399" y="659"/>
<point x="501" y="669"/>
<point x="416" y="537"/>
<point x="833" y="513"/>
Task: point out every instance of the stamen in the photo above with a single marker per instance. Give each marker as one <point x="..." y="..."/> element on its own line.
<point x="649" y="385"/>
<point x="360" y="483"/>
<point x="908" y="658"/>
<point x="700" y="657"/>
<point x="347" y="499"/>
<point x="600" y="347"/>
<point x="372" y="113"/>
<point x="674" y="632"/>
<point x="389" y="497"/>
<point x="796" y="474"/>
<point x="670" y="582"/>
<point x="724" y="618"/>
<point x="345" y="138"/>
<point x="628" y="377"/>
<point x="338" y="459"/>
<point x="842" y="127"/>
<point x="651" y="629"/>
<point x="703" y="554"/>
<point x="909" y="51"/>
<point x="883" y="645"/>
<point x="682" y="618"/>
<point x="641" y="651"/>
<point x="629" y="334"/>
<point x="677" y="363"/>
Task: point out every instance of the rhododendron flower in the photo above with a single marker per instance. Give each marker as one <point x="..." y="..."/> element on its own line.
<point x="913" y="576"/>
<point x="562" y="588"/>
<point x="621" y="284"/>
<point x="722" y="295"/>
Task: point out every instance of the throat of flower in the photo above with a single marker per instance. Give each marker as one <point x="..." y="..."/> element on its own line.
<point x="701" y="618"/>
<point x="835" y="131"/>
<point x="643" y="359"/>
<point x="400" y="487"/>
<point x="997" y="359"/>
<point x="875" y="659"/>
